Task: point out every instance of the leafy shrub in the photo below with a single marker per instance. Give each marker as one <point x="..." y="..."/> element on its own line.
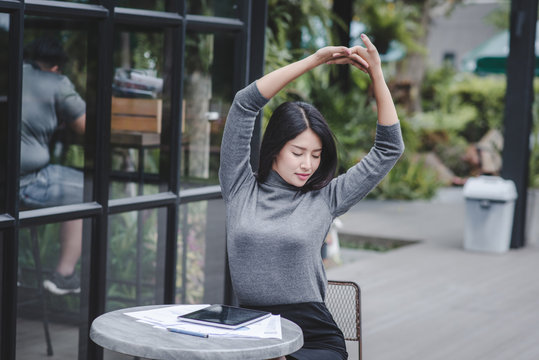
<point x="408" y="180"/>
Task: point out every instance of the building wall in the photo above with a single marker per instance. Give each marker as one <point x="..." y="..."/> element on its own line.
<point x="463" y="30"/>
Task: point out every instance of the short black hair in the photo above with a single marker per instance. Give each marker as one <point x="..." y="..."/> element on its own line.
<point x="288" y="121"/>
<point x="47" y="50"/>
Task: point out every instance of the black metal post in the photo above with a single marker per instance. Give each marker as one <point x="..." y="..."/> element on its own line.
<point x="10" y="240"/>
<point x="518" y="108"/>
<point x="175" y="46"/>
<point x="98" y="247"/>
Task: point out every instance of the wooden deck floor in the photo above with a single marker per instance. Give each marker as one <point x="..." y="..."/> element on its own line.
<point x="434" y="300"/>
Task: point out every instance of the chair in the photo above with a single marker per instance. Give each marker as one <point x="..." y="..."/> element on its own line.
<point x="343" y="300"/>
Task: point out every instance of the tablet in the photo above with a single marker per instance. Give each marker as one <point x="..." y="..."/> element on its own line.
<point x="229" y="317"/>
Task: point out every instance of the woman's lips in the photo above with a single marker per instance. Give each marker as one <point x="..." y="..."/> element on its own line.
<point x="303" y="177"/>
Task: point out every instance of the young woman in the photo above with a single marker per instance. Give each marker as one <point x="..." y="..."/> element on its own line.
<point x="277" y="219"/>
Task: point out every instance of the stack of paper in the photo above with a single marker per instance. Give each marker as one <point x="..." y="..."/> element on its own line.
<point x="166" y="318"/>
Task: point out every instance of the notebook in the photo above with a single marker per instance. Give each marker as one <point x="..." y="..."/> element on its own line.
<point x="225" y="316"/>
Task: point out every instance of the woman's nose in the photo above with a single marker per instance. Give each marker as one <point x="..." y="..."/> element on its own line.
<point x="306" y="164"/>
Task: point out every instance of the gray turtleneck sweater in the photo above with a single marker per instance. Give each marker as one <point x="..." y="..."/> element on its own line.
<point x="275" y="232"/>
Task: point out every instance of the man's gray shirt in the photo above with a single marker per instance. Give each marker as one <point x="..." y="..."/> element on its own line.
<point x="48" y="99"/>
<point x="275" y="232"/>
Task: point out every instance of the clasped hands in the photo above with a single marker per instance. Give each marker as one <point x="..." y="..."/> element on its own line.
<point x="364" y="58"/>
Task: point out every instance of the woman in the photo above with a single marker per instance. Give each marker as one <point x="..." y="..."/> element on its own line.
<point x="278" y="218"/>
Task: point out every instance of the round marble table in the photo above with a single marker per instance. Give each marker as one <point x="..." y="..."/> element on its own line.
<point x="118" y="332"/>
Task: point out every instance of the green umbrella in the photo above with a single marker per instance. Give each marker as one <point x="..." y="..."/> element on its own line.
<point x="491" y="56"/>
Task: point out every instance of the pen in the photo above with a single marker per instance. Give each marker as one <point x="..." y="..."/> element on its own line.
<point x="187" y="332"/>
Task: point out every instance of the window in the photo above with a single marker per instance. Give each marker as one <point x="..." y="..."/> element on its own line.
<point x="137" y="116"/>
<point x="207" y="97"/>
<point x="53" y="114"/>
<point x="223" y="8"/>
<point x="200" y="271"/>
<point x="136" y="239"/>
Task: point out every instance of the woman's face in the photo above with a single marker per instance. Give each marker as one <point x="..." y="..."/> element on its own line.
<point x="299" y="158"/>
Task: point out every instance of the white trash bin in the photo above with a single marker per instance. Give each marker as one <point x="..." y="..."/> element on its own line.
<point x="490" y="205"/>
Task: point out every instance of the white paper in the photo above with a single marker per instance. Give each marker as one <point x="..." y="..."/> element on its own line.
<point x="166" y="317"/>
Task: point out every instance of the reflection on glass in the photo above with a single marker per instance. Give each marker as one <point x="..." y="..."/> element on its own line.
<point x="222" y="8"/>
<point x="53" y="115"/>
<point x="158" y="5"/>
<point x="137" y="112"/>
<point x="46" y="298"/>
<point x="201" y="253"/>
<point x="135" y="258"/>
<point x="208" y="93"/>
<point x="4" y="44"/>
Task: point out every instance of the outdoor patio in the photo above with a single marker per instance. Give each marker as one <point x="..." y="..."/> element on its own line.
<point x="433" y="299"/>
<point x="428" y="300"/>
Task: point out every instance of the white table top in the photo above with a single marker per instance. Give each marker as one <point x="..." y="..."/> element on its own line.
<point x="118" y="332"/>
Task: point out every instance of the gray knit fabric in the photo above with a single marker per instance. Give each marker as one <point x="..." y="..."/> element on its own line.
<point x="274" y="232"/>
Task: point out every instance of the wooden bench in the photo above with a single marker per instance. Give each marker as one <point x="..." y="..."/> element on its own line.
<point x="131" y="114"/>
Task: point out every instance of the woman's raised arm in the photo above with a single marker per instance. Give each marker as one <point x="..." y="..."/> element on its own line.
<point x="272" y="83"/>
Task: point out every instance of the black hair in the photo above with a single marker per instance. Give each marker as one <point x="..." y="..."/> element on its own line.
<point x="46" y="50"/>
<point x="288" y="121"/>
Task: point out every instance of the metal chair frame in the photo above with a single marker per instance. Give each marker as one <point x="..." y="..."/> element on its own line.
<point x="343" y="300"/>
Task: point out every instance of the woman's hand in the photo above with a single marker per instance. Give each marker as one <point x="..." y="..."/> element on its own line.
<point x="365" y="58"/>
<point x="369" y="54"/>
<point x="326" y="54"/>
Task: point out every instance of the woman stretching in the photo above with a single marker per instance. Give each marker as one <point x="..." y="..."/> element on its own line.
<point x="278" y="218"/>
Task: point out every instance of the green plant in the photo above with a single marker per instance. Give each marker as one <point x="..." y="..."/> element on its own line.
<point x="408" y="180"/>
<point x="534" y="154"/>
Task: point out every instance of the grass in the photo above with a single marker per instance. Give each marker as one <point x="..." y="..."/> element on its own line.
<point x="372" y="243"/>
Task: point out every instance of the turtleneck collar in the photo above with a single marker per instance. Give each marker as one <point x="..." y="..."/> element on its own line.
<point x="274" y="179"/>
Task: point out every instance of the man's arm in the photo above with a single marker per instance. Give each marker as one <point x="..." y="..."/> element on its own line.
<point x="79" y="125"/>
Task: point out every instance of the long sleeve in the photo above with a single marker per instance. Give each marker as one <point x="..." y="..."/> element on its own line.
<point x="235" y="167"/>
<point x="346" y="190"/>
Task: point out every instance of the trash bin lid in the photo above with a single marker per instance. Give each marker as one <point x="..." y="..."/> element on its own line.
<point x="490" y="188"/>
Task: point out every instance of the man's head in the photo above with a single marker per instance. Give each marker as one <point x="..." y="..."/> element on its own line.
<point x="46" y="52"/>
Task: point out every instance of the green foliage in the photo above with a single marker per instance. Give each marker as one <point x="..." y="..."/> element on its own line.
<point x="125" y="263"/>
<point x="534" y="155"/>
<point x="487" y="96"/>
<point x="350" y="115"/>
<point x="466" y="104"/>
<point x="408" y="180"/>
<point x="391" y="20"/>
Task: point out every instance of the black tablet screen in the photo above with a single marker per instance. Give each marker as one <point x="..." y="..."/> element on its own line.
<point x="226" y="315"/>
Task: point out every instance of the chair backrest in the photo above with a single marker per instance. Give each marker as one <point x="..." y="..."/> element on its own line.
<point x="136" y="114"/>
<point x="343" y="300"/>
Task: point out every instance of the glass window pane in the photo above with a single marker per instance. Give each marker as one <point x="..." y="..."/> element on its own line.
<point x="49" y="288"/>
<point x="200" y="276"/>
<point x="158" y="5"/>
<point x="208" y="94"/>
<point x="4" y="60"/>
<point x="222" y="8"/>
<point x="138" y="113"/>
<point x="135" y="258"/>
<point x="53" y="114"/>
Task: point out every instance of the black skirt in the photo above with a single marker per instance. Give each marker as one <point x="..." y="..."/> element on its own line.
<point x="322" y="338"/>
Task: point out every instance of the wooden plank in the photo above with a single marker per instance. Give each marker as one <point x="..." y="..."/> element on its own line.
<point x="143" y="115"/>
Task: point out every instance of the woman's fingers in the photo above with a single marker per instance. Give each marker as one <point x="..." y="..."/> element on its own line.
<point x="368" y="44"/>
